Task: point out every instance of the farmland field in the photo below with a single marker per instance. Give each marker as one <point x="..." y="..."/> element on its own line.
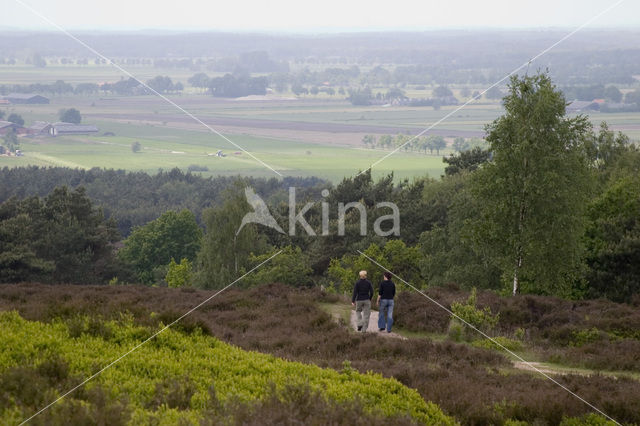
<point x="306" y="137"/>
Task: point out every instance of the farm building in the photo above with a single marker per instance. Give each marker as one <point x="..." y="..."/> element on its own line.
<point x="62" y="128"/>
<point x="39" y="128"/>
<point x="577" y="106"/>
<point x="7" y="126"/>
<point x="26" y="98"/>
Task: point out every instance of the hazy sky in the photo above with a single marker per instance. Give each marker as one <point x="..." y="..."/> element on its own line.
<point x="323" y="15"/>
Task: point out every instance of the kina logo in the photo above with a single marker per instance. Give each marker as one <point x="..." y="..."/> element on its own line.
<point x="260" y="213"/>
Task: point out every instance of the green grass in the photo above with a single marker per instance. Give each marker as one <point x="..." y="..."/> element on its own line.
<point x="338" y="310"/>
<point x="169" y="148"/>
<point x="410" y="334"/>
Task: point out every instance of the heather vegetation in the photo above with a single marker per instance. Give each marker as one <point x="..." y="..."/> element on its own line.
<point x="475" y="386"/>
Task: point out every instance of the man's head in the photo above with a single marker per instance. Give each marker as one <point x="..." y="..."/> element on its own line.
<point x="387" y="275"/>
<point x="363" y="275"/>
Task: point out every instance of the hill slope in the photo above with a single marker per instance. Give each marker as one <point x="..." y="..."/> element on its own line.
<point x="175" y="377"/>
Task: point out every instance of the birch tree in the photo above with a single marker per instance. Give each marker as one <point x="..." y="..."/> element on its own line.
<point x="533" y="193"/>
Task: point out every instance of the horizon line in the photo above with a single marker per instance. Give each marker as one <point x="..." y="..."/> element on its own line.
<point x="314" y="30"/>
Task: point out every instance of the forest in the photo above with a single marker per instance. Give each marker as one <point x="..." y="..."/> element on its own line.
<point x="549" y="216"/>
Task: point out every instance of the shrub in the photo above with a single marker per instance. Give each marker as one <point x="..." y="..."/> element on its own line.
<point x="587" y="420"/>
<point x="582" y="337"/>
<point x="299" y="404"/>
<point x="179" y="274"/>
<point x="498" y="343"/>
<point x="481" y="319"/>
<point x="148" y="375"/>
<point x="91" y="326"/>
<point x="197" y="168"/>
<point x="175" y="393"/>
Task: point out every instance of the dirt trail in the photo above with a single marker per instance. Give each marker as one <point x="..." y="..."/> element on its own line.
<point x="373" y="326"/>
<point x="538" y="367"/>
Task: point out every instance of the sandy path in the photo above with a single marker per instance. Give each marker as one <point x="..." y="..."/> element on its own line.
<point x="535" y="367"/>
<point x="373" y="325"/>
<point x="538" y="367"/>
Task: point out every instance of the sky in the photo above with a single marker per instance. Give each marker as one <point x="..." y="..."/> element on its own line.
<point x="282" y="16"/>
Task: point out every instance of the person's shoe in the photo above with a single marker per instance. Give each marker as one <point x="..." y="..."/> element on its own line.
<point x="388" y="331"/>
<point x="360" y="328"/>
<point x="382" y="329"/>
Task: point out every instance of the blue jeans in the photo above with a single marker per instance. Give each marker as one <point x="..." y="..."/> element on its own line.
<point x="385" y="314"/>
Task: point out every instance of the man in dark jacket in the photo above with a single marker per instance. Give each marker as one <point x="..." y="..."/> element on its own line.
<point x="386" y="293"/>
<point x="361" y="299"/>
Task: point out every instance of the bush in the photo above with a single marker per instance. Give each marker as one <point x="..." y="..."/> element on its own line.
<point x="90" y="326"/>
<point x="498" y="343"/>
<point x="587" y="420"/>
<point x="482" y="319"/>
<point x="148" y="375"/>
<point x="179" y="274"/>
<point x="582" y="337"/>
<point x="174" y="392"/>
<point x="197" y="168"/>
<point x="299" y="404"/>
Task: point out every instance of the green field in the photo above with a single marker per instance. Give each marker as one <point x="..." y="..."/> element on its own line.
<point x="310" y="136"/>
<point x="185" y="148"/>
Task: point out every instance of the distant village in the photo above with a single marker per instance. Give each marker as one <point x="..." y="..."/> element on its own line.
<point x="37" y="128"/>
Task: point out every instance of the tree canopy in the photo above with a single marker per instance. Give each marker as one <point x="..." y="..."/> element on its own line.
<point x="150" y="248"/>
<point x="62" y="238"/>
<point x="70" y="115"/>
<point x="533" y="193"/>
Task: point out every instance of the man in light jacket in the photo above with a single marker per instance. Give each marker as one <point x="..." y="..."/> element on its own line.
<point x="361" y="299"/>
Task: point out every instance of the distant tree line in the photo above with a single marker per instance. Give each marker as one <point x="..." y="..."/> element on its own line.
<point x="234" y="86"/>
<point x="134" y="198"/>
<point x="429" y="143"/>
<point x="130" y="86"/>
<point x="230" y="85"/>
<point x="589" y="93"/>
<point x="473" y="58"/>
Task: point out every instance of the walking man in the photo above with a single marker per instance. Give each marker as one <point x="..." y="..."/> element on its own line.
<point x="386" y="293"/>
<point x="361" y="299"/>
